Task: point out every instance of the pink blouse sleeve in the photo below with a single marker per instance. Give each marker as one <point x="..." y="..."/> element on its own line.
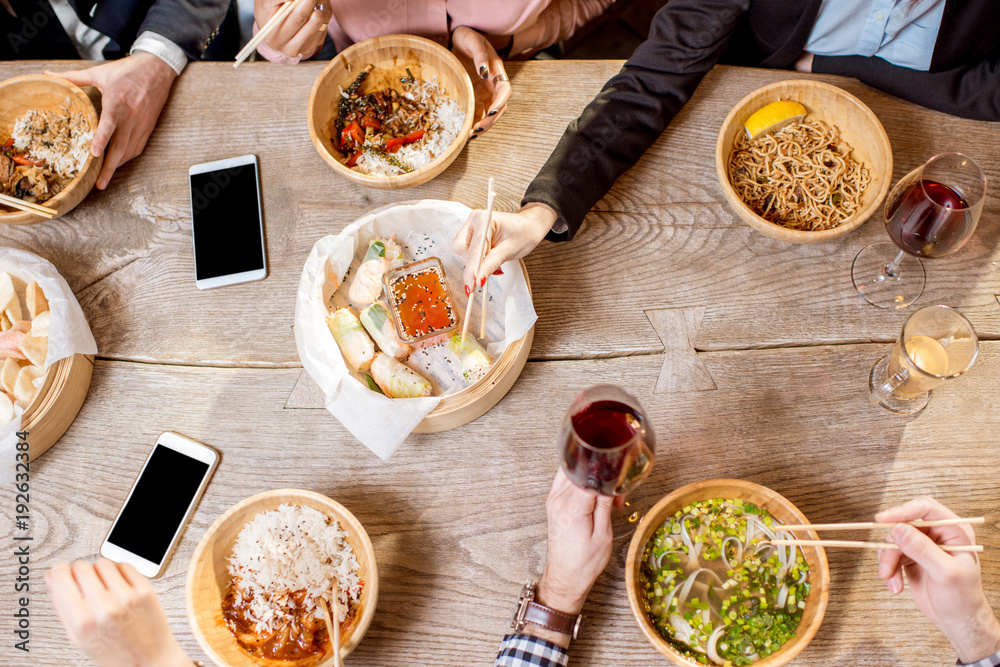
<point x="557" y="22"/>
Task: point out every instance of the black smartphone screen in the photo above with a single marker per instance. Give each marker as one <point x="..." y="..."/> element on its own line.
<point x="225" y="210"/>
<point x="161" y="497"/>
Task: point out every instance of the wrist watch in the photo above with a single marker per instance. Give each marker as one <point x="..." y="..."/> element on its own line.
<point x="529" y="611"/>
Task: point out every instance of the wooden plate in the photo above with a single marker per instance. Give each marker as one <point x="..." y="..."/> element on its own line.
<point x="57" y="402"/>
<point x="858" y="126"/>
<point x="780" y="508"/>
<point x="391" y="55"/>
<point x="41" y="92"/>
<point x="208" y="575"/>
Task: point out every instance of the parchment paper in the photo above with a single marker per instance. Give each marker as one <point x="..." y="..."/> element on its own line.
<point x="69" y="333"/>
<point x="423" y="229"/>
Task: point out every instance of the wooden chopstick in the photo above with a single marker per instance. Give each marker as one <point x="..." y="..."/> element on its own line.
<point x="850" y="544"/>
<point x="486" y="298"/>
<point x="263" y="33"/>
<point x="20" y="204"/>
<point x="865" y="525"/>
<point x="491" y="195"/>
<point x="333" y="628"/>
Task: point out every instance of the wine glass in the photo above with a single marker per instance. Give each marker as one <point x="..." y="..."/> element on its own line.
<point x="937" y="343"/>
<point x="930" y="212"/>
<point x="606" y="444"/>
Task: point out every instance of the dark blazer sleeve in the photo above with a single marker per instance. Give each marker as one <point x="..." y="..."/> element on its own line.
<point x="971" y="91"/>
<point x="686" y="39"/>
<point x="187" y="23"/>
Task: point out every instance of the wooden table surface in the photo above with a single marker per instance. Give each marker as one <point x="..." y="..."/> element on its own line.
<point x="751" y="357"/>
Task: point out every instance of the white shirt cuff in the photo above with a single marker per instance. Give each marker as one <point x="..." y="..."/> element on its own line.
<point x="162" y="48"/>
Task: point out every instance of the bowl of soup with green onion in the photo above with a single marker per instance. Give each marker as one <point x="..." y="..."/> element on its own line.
<point x="707" y="587"/>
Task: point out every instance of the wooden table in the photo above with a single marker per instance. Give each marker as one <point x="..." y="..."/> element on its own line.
<point x="751" y="357"/>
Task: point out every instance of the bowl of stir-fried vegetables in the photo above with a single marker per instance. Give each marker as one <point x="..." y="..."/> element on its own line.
<point x="392" y="112"/>
<point x="707" y="587"/>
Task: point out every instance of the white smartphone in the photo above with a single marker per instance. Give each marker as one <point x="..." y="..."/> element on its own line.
<point x="227" y="228"/>
<point x="160" y="503"/>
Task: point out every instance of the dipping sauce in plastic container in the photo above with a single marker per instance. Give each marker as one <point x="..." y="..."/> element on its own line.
<point x="419" y="300"/>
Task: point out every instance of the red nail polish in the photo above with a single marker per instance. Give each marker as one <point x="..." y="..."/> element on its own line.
<point x="482" y="283"/>
<point x="467" y="291"/>
<point x="498" y="272"/>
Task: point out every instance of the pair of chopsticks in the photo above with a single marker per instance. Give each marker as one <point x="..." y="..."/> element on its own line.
<point x="977" y="548"/>
<point x="37" y="209"/>
<point x="263" y="33"/>
<point x="483" y="249"/>
<point x="333" y="628"/>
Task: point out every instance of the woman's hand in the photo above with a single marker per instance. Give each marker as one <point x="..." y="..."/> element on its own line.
<point x="112" y="613"/>
<point x="512" y="236"/>
<point x="946" y="587"/>
<point x="302" y="33"/>
<point x="488" y="76"/>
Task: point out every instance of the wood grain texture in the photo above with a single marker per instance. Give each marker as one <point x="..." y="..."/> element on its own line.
<point x="457" y="519"/>
<point x="682" y="370"/>
<point x="664" y="232"/>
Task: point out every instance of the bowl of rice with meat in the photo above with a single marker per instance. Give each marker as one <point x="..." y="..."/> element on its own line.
<point x="261" y="574"/>
<point x="392" y="112"/>
<point x="46" y="128"/>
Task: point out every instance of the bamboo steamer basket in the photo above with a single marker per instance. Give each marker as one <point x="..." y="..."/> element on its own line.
<point x="858" y="126"/>
<point x="41" y="92"/>
<point x="57" y="402"/>
<point x="474" y="401"/>
<point x="208" y="575"/>
<point x="391" y="55"/>
<point x="780" y="508"/>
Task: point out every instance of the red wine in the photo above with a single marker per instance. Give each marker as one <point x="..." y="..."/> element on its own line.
<point x="608" y="448"/>
<point x="930" y="221"/>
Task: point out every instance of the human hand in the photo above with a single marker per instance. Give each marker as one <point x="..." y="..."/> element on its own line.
<point x="301" y="33"/>
<point x="946" y="586"/>
<point x="133" y="92"/>
<point x="112" y="613"/>
<point x="489" y="78"/>
<point x="512" y="236"/>
<point x="804" y="63"/>
<point x="579" y="544"/>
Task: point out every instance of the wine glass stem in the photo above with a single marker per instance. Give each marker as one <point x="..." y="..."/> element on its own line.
<point x="892" y="267"/>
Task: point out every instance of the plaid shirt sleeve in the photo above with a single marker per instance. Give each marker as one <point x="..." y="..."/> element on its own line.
<point x="988" y="661"/>
<point x="520" y="650"/>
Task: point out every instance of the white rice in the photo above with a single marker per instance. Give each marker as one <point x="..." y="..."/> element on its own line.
<point x="287" y="550"/>
<point x="61" y="140"/>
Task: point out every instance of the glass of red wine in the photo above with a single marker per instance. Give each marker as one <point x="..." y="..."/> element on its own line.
<point x="931" y="212"/>
<point x="607" y="444"/>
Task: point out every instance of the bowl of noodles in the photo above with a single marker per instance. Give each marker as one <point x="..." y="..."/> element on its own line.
<point x="707" y="587"/>
<point x="812" y="180"/>
<point x="392" y="112"/>
<point x="46" y="126"/>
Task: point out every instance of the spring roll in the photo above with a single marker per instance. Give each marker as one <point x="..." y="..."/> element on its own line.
<point x="355" y="345"/>
<point x="376" y="320"/>
<point x="367" y="284"/>
<point x="475" y="361"/>
<point x="397" y="380"/>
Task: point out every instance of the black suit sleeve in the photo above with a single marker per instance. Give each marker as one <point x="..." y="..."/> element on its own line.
<point x="187" y="23"/>
<point x="971" y="91"/>
<point x="686" y="39"/>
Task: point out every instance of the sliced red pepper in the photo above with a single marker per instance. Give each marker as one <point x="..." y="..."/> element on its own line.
<point x="10" y="142"/>
<point x="416" y="135"/>
<point x="22" y="158"/>
<point x="393" y="144"/>
<point x="356" y="133"/>
<point x="353" y="160"/>
<point x="370" y="121"/>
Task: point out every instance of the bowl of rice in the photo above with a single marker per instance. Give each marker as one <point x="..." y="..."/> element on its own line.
<point x="808" y="181"/>
<point x="263" y="570"/>
<point x="392" y="112"/>
<point x="46" y="127"/>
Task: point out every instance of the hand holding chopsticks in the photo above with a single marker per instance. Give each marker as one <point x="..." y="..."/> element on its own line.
<point x="483" y="246"/>
<point x="299" y="27"/>
<point x="867" y="525"/>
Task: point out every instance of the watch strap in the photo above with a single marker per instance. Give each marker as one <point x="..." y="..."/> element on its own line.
<point x="550" y="619"/>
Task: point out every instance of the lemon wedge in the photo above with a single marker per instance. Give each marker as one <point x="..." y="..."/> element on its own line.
<point x="773" y="117"/>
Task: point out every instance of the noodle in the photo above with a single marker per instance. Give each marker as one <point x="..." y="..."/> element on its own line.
<point x="801" y="177"/>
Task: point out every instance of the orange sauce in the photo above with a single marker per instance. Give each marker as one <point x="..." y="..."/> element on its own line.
<point x="422" y="303"/>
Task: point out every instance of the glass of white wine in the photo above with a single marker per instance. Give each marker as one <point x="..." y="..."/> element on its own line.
<point x="937" y="343"/>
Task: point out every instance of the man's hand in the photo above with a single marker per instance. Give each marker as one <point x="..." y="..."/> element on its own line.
<point x="946" y="587"/>
<point x="112" y="613"/>
<point x="133" y="92"/>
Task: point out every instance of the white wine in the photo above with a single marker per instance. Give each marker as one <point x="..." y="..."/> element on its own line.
<point x="927" y="355"/>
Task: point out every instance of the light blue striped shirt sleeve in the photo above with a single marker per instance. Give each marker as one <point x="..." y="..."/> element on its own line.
<point x="899" y="31"/>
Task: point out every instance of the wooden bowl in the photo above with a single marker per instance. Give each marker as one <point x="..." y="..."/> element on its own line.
<point x="390" y="55"/>
<point x="41" y="92"/>
<point x="208" y="575"/>
<point x="780" y="508"/>
<point x="474" y="401"/>
<point x="57" y="402"/>
<point x="858" y="126"/>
